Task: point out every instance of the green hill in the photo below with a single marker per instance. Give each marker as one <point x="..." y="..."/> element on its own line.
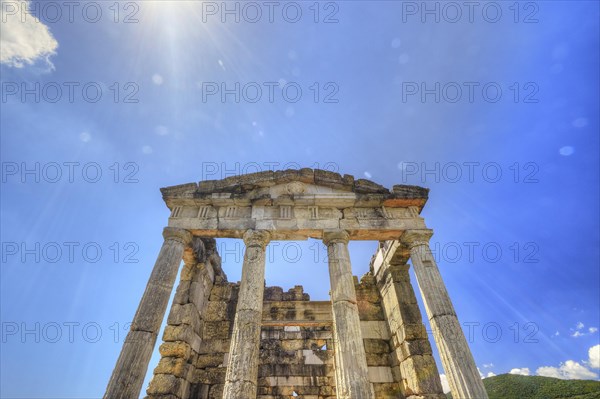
<point x="510" y="386"/>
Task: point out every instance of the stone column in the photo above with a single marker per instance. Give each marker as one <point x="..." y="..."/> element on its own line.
<point x="242" y="371"/>
<point x="352" y="379"/>
<point x="458" y="362"/>
<point x="128" y="376"/>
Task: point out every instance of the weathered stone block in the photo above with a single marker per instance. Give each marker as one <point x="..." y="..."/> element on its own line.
<point x="215" y="311"/>
<point x="182" y="293"/>
<point x="377" y="359"/>
<point x="405" y="292"/>
<point x="327" y="390"/>
<point x="374" y="329"/>
<point x="293" y="345"/>
<point x="211" y="375"/>
<point x="187" y="272"/>
<point x="210" y="360"/>
<point x="221" y="292"/>
<point x="273" y="294"/>
<point x="176" y="366"/>
<point x="182" y="332"/>
<point x="416" y="347"/>
<point x="370" y="311"/>
<point x="175" y="349"/>
<point x="215" y="329"/>
<point x="421" y="375"/>
<point x="184" y="314"/>
<point x="410" y="313"/>
<point x="367" y="293"/>
<point x="199" y="294"/>
<point x="280" y="356"/>
<point x="380" y="374"/>
<point x="389" y="390"/>
<point x="214" y="346"/>
<point x="163" y="384"/>
<point x="376" y="346"/>
<point x="216" y="391"/>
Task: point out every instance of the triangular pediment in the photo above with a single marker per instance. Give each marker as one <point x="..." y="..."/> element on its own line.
<point x="293" y="184"/>
<point x="297" y="188"/>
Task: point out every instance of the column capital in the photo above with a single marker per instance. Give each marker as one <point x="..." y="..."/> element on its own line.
<point x="415" y="238"/>
<point x="258" y="238"/>
<point x="335" y="236"/>
<point x="177" y="234"/>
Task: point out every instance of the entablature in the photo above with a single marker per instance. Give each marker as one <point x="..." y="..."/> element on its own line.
<point x="295" y="205"/>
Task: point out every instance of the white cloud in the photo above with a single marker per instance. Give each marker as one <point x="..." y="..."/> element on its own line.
<point x="548" y="371"/>
<point x="594" y="354"/>
<point x="488" y="365"/>
<point x="147" y="149"/>
<point x="520" y="371"/>
<point x="489" y="374"/>
<point x="569" y="370"/>
<point x="23" y="38"/>
<point x="368" y="175"/>
<point x="580" y="332"/>
<point x="445" y="385"/>
<point x="572" y="370"/>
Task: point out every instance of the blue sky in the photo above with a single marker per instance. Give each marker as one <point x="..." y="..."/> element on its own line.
<point x="495" y="109"/>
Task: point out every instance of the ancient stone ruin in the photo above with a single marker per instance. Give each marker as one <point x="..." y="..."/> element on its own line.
<point x="244" y="340"/>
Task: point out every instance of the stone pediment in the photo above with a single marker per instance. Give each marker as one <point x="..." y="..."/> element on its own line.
<point x="295" y="204"/>
<point x="295" y="186"/>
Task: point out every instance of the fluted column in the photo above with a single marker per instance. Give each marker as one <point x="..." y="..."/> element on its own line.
<point x="458" y="362"/>
<point x="352" y="380"/>
<point x="242" y="371"/>
<point x="128" y="375"/>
